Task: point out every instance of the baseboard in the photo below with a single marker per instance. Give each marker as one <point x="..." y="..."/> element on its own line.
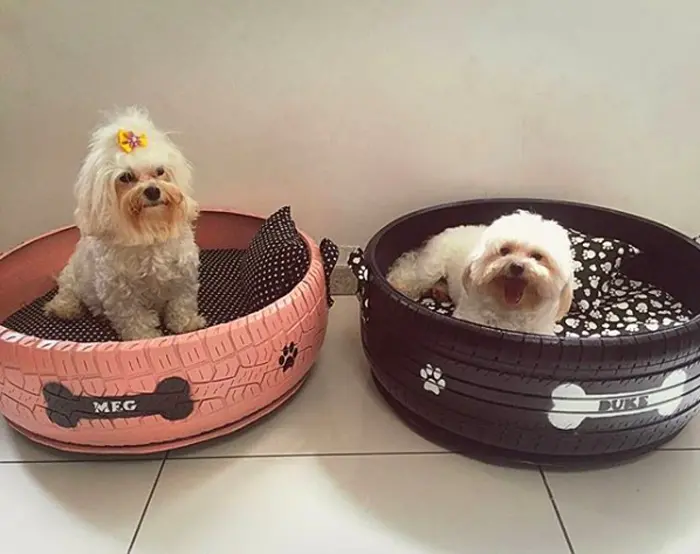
<point x="343" y="281"/>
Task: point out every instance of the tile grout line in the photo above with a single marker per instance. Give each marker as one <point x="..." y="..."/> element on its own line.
<point x="230" y="457"/>
<point x="560" y="519"/>
<point x="147" y="504"/>
<point x="81" y="461"/>
<point x="136" y="459"/>
<point x="310" y="455"/>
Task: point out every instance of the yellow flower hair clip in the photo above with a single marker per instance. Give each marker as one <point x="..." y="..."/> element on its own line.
<point x="128" y="140"/>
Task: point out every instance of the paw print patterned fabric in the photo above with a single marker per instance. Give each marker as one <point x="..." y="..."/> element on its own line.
<point x="596" y="261"/>
<point x="607" y="303"/>
<point x="629" y="307"/>
<point x="233" y="284"/>
<point x="357" y="264"/>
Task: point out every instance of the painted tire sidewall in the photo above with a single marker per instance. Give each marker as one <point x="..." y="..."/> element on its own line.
<point x="525" y="392"/>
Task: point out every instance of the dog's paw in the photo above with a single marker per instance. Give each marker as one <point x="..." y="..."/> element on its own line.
<point x="64" y="306"/>
<point x="411" y="292"/>
<point x="439" y="292"/>
<point x="142" y="333"/>
<point x="182" y="325"/>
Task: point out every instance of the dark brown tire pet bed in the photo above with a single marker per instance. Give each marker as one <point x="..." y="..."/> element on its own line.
<point x="621" y="378"/>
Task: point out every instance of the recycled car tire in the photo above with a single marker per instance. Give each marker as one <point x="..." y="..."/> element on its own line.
<point x="523" y="397"/>
<point x="152" y="395"/>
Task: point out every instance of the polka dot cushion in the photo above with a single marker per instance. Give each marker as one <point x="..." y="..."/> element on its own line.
<point x="233" y="283"/>
<point x="275" y="261"/>
<point x="596" y="261"/>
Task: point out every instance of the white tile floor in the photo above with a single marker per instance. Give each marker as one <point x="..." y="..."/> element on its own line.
<point x="336" y="472"/>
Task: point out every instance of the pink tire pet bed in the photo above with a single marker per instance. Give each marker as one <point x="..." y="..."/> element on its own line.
<point x="75" y="387"/>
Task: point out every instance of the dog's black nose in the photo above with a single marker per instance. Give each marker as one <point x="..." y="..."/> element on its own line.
<point x="152" y="193"/>
<point x="516" y="270"/>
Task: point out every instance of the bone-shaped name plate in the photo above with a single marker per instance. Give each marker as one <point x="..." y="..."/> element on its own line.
<point x="571" y="404"/>
<point x="171" y="400"/>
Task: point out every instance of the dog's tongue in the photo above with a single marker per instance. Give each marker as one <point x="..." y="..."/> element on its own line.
<point x="513" y="290"/>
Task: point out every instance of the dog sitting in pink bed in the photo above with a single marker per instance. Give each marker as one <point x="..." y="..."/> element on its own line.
<point x="136" y="260"/>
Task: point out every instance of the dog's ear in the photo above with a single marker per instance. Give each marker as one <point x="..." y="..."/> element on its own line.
<point x="467" y="276"/>
<point x="565" y="299"/>
<point x="95" y="197"/>
<point x="191" y="209"/>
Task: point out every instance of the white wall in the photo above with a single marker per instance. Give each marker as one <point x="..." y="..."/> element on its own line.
<point x="356" y="111"/>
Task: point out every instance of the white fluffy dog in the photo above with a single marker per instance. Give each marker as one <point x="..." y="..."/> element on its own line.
<point x="515" y="274"/>
<point x="136" y="259"/>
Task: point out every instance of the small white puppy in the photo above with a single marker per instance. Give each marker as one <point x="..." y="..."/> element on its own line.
<point x="515" y="274"/>
<point x="136" y="259"/>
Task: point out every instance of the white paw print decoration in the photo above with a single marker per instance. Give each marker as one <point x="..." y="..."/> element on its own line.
<point x="572" y="322"/>
<point x="364" y="307"/>
<point x="432" y="379"/>
<point x="652" y="324"/>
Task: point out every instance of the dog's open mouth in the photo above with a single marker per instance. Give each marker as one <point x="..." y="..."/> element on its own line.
<point x="513" y="290"/>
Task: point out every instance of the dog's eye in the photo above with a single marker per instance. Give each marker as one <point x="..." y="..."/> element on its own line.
<point x="536" y="256"/>
<point x="160" y="171"/>
<point x="127" y="177"/>
<point x="504" y="251"/>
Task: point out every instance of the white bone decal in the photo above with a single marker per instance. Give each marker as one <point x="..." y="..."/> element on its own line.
<point x="572" y="405"/>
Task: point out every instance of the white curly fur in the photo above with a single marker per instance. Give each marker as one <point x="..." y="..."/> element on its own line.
<point x="136" y="259"/>
<point x="469" y="258"/>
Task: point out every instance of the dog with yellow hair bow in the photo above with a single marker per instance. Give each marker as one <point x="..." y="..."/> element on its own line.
<point x="136" y="261"/>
